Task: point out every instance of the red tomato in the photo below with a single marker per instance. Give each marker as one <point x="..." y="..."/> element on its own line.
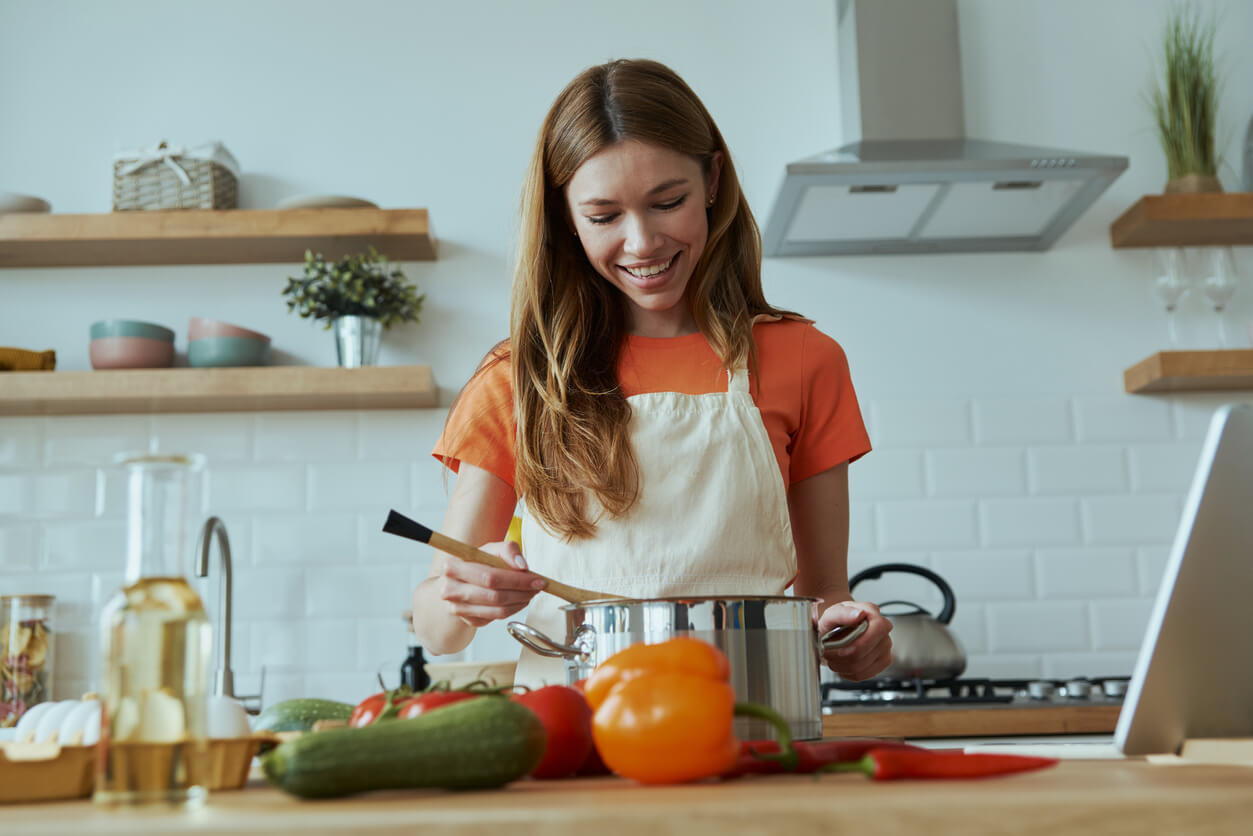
<point x="593" y="765"/>
<point x="567" y="719"/>
<point x="368" y="710"/>
<point x="423" y="703"/>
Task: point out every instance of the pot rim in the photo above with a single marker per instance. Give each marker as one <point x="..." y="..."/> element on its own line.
<point x="685" y="599"/>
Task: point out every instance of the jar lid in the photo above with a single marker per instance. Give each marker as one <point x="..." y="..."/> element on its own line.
<point x="29" y="599"/>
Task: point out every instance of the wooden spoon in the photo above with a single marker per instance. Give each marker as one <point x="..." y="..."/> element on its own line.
<point x="400" y="525"/>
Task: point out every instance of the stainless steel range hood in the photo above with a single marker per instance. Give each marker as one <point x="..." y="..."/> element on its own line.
<point x="912" y="182"/>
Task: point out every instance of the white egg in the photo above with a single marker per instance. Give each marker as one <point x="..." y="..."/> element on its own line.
<point x="75" y="722"/>
<point x="29" y="721"/>
<point x="227" y="718"/>
<point x="50" y="723"/>
<point x="162" y="719"/>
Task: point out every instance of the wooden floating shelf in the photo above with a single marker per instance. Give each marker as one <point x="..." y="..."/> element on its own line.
<point x="215" y="390"/>
<point x="1186" y="220"/>
<point x="1181" y="371"/>
<point x="211" y="236"/>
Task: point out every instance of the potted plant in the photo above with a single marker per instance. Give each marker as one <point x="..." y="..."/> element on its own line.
<point x="1185" y="106"/>
<point x="359" y="296"/>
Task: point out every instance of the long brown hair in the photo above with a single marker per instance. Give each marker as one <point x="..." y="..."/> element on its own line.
<point x="567" y="323"/>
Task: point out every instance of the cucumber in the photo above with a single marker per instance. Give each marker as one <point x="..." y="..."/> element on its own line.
<point x="300" y="715"/>
<point x="478" y="743"/>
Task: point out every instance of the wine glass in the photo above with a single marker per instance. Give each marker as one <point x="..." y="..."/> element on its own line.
<point x="1220" y="286"/>
<point x="1170" y="287"/>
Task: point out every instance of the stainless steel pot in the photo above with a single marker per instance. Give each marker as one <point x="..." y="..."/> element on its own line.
<point x="922" y="645"/>
<point x="770" y="641"/>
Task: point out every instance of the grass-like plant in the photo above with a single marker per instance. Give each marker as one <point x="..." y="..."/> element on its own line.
<point x="365" y="284"/>
<point x="1186" y="105"/>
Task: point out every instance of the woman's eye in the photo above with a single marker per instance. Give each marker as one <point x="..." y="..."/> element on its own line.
<point x="601" y="219"/>
<point x="673" y="204"/>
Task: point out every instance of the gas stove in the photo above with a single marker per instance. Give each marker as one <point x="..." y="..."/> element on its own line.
<point x="1024" y="692"/>
<point x="972" y="707"/>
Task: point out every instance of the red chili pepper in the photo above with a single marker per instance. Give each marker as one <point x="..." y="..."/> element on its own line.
<point x="812" y="757"/>
<point x="892" y="764"/>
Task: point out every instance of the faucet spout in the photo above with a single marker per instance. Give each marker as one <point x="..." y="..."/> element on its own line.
<point x="224" y="679"/>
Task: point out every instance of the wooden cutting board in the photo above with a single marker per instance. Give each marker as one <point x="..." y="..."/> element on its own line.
<point x="965" y="721"/>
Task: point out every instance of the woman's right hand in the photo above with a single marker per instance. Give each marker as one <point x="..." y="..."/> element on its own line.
<point x="479" y="594"/>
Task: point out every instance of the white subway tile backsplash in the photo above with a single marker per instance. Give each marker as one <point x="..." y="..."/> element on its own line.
<point x="14" y="494"/>
<point x="21" y="442"/>
<point x="350" y="688"/>
<point x="926" y="524"/>
<point x="970" y="625"/>
<point x="359" y="485"/>
<point x="268" y="594"/>
<point x="391" y="434"/>
<point x="225" y="438"/>
<point x="1026" y="421"/>
<point x="1069" y="574"/>
<point x="887" y="474"/>
<point x="64" y="493"/>
<point x="311" y="645"/>
<point x="71" y="610"/>
<point x="1164" y="468"/>
<point x="19" y="547"/>
<point x="306" y="436"/>
<point x="93" y="439"/>
<point x="257" y="489"/>
<point x="919" y="423"/>
<point x="987" y="575"/>
<point x="1114" y="520"/>
<point x="1122" y="420"/>
<point x="1087" y="469"/>
<point x="1193" y="415"/>
<point x="976" y="472"/>
<point x="1033" y="522"/>
<point x="1093" y="665"/>
<point x="1150" y="568"/>
<point x="90" y="545"/>
<point x="332" y="591"/>
<point x="302" y="541"/>
<point x="431" y="482"/>
<point x="1004" y="666"/>
<point x="1038" y="627"/>
<point x="282" y="685"/>
<point x="861" y="527"/>
<point x="382" y="645"/>
<point x="1119" y="625"/>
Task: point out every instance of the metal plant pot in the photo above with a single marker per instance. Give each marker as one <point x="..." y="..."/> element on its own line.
<point x="770" y="641"/>
<point x="357" y="341"/>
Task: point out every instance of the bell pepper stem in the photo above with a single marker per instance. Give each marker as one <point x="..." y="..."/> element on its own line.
<point x="787" y="754"/>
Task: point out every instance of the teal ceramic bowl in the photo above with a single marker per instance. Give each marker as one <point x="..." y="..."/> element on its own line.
<point x="227" y="351"/>
<point x="130" y="328"/>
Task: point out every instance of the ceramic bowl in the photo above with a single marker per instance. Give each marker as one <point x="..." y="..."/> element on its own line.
<point x="12" y="202"/>
<point x="198" y="328"/>
<point x="130" y="353"/>
<point x="228" y="351"/>
<point x="131" y="328"/>
<point x="460" y="674"/>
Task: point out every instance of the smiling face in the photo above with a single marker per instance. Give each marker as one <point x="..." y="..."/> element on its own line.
<point x="639" y="212"/>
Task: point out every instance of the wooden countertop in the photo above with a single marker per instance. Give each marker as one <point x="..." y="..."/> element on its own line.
<point x="1073" y="797"/>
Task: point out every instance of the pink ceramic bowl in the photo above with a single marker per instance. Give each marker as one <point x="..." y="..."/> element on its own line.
<point x="198" y="328"/>
<point x="130" y="353"/>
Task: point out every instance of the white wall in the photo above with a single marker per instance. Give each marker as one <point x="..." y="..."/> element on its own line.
<point x="1007" y="456"/>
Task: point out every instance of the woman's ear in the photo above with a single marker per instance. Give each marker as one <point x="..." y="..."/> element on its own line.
<point x="715" y="171"/>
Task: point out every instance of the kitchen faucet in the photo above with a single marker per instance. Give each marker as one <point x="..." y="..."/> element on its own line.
<point x="223" y="678"/>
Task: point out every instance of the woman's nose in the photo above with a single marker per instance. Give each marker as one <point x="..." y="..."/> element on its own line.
<point x="641" y="239"/>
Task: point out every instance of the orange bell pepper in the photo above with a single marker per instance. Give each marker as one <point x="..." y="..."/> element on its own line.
<point x="664" y="712"/>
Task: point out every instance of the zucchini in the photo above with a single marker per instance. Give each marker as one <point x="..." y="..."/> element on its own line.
<point x="300" y="714"/>
<point x="478" y="743"/>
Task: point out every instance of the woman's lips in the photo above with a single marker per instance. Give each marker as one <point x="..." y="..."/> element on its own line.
<point x="656" y="279"/>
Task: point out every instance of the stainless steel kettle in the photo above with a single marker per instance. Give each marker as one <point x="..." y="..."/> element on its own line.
<point x="922" y="645"/>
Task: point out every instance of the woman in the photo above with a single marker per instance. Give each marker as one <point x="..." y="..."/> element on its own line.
<point x="661" y="429"/>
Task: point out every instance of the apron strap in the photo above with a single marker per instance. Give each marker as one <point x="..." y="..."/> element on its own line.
<point x="737" y="380"/>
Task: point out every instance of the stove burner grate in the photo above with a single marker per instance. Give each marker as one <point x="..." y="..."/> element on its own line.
<point x="972" y="691"/>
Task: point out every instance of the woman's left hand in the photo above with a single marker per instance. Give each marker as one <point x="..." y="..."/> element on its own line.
<point x="870" y="653"/>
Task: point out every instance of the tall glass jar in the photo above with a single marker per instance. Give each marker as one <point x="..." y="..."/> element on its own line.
<point x="156" y="647"/>
<point x="25" y="654"/>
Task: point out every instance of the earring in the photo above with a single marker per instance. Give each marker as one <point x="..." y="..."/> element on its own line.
<point x="709" y="202"/>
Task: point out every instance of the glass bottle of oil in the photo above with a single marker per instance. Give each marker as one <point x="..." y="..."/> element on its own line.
<point x="156" y="648"/>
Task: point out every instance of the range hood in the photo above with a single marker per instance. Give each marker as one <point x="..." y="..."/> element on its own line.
<point x="912" y="182"/>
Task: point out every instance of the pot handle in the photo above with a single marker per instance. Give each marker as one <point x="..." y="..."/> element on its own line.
<point x="842" y="635"/>
<point x="539" y="642"/>
<point x="876" y="572"/>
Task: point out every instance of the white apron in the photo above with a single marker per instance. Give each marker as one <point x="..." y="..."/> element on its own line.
<point x="712" y="517"/>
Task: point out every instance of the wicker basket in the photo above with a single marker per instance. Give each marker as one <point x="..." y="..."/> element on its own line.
<point x="175" y="178"/>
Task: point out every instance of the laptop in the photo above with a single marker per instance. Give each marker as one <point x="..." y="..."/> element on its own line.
<point x="1193" y="678"/>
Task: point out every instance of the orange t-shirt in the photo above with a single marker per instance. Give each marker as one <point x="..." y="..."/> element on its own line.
<point x="802" y="388"/>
